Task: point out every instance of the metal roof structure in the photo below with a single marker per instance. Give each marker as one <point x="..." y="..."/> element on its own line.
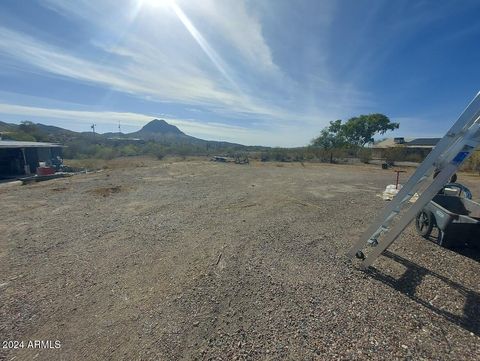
<point x="408" y="143"/>
<point x="390" y="142"/>
<point x="424" y="142"/>
<point x="21" y="144"/>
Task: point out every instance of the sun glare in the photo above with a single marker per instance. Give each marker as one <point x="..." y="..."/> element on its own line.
<point x="156" y="3"/>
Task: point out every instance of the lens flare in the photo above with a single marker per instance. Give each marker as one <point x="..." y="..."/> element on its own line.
<point x="203" y="43"/>
<point x="196" y="35"/>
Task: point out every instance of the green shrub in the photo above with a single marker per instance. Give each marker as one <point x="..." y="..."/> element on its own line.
<point x="20" y="136"/>
<point x="107" y="153"/>
<point x="280" y="155"/>
<point x="365" y="155"/>
<point x="156" y="150"/>
<point x="414" y="157"/>
<point x="264" y="157"/>
<point x="129" y="150"/>
<point x="395" y="154"/>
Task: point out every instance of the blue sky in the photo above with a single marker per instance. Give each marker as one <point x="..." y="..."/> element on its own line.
<point x="253" y="72"/>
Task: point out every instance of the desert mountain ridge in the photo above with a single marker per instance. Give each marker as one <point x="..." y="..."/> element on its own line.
<point x="157" y="130"/>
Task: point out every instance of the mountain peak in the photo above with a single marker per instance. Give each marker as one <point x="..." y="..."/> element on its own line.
<point x="160" y="126"/>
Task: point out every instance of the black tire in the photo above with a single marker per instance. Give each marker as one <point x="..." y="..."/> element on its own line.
<point x="424" y="222"/>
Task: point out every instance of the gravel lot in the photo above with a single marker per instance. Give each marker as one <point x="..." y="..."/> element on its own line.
<point x="201" y="260"/>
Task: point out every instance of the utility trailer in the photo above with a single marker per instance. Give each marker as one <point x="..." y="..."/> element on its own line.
<point x="457" y="220"/>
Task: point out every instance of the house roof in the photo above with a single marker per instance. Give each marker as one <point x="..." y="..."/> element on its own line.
<point x="388" y="143"/>
<point x="21" y="144"/>
<point x="430" y="142"/>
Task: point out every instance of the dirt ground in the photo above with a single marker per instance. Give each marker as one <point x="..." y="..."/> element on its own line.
<point x="202" y="260"/>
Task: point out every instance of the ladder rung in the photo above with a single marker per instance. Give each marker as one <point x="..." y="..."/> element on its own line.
<point x="390" y="217"/>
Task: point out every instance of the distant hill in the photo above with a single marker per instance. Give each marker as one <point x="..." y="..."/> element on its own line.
<point x="7" y="127"/>
<point x="51" y="129"/>
<point x="157" y="130"/>
<point x="159" y="126"/>
<point x="160" y="131"/>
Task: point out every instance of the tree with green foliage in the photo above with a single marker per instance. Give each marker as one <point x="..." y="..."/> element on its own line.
<point x="20" y="136"/>
<point x="331" y="137"/>
<point x="28" y="127"/>
<point x="360" y="130"/>
<point x="31" y="129"/>
<point x="357" y="131"/>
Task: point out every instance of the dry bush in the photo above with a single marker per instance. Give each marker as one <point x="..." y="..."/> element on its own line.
<point x="473" y="163"/>
<point x="365" y="155"/>
<point x="116" y="163"/>
<point x="88" y="163"/>
<point x="397" y="154"/>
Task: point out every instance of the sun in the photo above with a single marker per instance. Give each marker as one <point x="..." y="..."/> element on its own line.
<point x="156" y="3"/>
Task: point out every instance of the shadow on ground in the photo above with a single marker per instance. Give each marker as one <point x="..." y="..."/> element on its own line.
<point x="467" y="250"/>
<point x="470" y="252"/>
<point x="413" y="277"/>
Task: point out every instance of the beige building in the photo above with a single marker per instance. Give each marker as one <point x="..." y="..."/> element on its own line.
<point x="412" y="147"/>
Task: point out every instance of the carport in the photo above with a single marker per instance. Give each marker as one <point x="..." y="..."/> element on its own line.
<point x="19" y="158"/>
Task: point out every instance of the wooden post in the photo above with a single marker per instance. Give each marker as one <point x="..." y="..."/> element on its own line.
<point x="398" y="177"/>
<point x="26" y="167"/>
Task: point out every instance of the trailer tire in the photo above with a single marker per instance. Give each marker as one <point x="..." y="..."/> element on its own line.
<point x="424" y="222"/>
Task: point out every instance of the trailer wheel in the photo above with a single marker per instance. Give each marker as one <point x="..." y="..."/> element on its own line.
<point x="424" y="223"/>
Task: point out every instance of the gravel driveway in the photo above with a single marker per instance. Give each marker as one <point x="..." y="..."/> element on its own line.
<point x="202" y="260"/>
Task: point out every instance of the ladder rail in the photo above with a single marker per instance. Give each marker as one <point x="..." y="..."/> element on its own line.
<point x="435" y="158"/>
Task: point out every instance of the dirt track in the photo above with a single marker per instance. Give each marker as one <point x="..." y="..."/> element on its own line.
<point x="201" y="260"/>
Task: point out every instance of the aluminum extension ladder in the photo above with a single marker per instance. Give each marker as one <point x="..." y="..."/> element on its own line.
<point x="450" y="152"/>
